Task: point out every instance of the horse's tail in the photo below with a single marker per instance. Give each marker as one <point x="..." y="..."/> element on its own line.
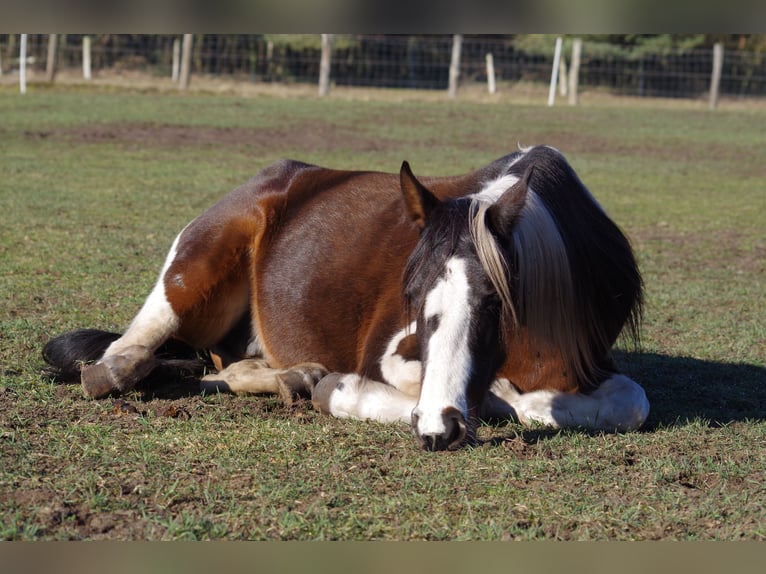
<point x="67" y="353"/>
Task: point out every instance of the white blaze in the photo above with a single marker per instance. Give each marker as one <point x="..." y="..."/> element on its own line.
<point x="449" y="360"/>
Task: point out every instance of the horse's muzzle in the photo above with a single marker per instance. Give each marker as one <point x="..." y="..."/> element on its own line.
<point x="449" y="436"/>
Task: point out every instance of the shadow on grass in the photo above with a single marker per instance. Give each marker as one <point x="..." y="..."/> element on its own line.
<point x="683" y="389"/>
<point x="680" y="390"/>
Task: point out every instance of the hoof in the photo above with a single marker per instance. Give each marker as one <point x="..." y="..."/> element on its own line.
<point x="299" y="382"/>
<point x="320" y="396"/>
<point x="117" y="373"/>
<point x="96" y="381"/>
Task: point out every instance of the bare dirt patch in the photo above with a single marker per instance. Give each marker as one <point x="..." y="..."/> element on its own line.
<point x="305" y="137"/>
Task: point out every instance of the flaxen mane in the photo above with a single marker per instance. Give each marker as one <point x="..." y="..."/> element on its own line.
<point x="545" y="273"/>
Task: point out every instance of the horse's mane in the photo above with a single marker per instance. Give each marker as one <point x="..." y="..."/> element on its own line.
<point x="568" y="278"/>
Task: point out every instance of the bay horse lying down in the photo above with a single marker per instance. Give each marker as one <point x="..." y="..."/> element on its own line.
<point x="439" y="302"/>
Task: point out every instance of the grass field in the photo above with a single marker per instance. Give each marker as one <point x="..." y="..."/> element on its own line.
<point x="96" y="183"/>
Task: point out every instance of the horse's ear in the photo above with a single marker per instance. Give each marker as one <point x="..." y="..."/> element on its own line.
<point x="418" y="201"/>
<point x="504" y="213"/>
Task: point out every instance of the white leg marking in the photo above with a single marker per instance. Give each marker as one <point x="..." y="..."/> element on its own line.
<point x="618" y="404"/>
<point x="156" y="320"/>
<point x="365" y="399"/>
<point x="398" y="372"/>
<point x="449" y="360"/>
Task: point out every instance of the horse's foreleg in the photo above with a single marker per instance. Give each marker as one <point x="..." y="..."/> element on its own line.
<point x="352" y="396"/>
<point x="619" y="404"/>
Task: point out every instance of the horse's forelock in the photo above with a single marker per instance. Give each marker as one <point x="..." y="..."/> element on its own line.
<point x="438" y="241"/>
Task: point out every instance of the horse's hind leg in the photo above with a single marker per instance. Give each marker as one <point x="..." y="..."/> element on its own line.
<point x="131" y="357"/>
<point x="254" y="376"/>
<point x="200" y="296"/>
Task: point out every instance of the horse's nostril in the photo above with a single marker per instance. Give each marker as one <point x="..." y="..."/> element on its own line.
<point x="449" y="437"/>
<point x="456" y="427"/>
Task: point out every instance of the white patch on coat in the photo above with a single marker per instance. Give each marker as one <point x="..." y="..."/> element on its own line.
<point x="493" y="189"/>
<point x="398" y="372"/>
<point x="449" y="360"/>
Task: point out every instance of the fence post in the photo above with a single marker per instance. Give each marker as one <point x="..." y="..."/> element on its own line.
<point x="50" y="63"/>
<point x="176" y="60"/>
<point x="491" y="73"/>
<point x="563" y="81"/>
<point x="186" y="61"/>
<point x="555" y="72"/>
<point x="86" y="70"/>
<point x="574" y="71"/>
<point x="324" y="65"/>
<point x="23" y="64"/>
<point x="454" y="65"/>
<point x="715" y="80"/>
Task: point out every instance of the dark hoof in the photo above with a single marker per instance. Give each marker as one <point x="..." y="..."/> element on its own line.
<point x="117" y="373"/>
<point x="299" y="382"/>
<point x="96" y="381"/>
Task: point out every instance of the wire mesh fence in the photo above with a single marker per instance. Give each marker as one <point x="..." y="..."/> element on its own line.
<point x="401" y="61"/>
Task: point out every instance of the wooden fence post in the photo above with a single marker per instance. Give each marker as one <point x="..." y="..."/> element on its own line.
<point x="574" y="71"/>
<point x="491" y="88"/>
<point x="23" y="64"/>
<point x="324" y="65"/>
<point x="563" y="78"/>
<point x="176" y="60"/>
<point x="50" y="63"/>
<point x="186" y="61"/>
<point x="555" y="72"/>
<point x="454" y="66"/>
<point x="86" y="67"/>
<point x="715" y="79"/>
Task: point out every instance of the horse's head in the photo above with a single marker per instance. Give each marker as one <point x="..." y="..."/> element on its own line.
<point x="456" y="283"/>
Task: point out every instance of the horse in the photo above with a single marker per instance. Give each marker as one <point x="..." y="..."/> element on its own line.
<point x="435" y="301"/>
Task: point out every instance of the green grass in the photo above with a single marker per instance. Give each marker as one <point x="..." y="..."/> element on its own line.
<point x="95" y="184"/>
